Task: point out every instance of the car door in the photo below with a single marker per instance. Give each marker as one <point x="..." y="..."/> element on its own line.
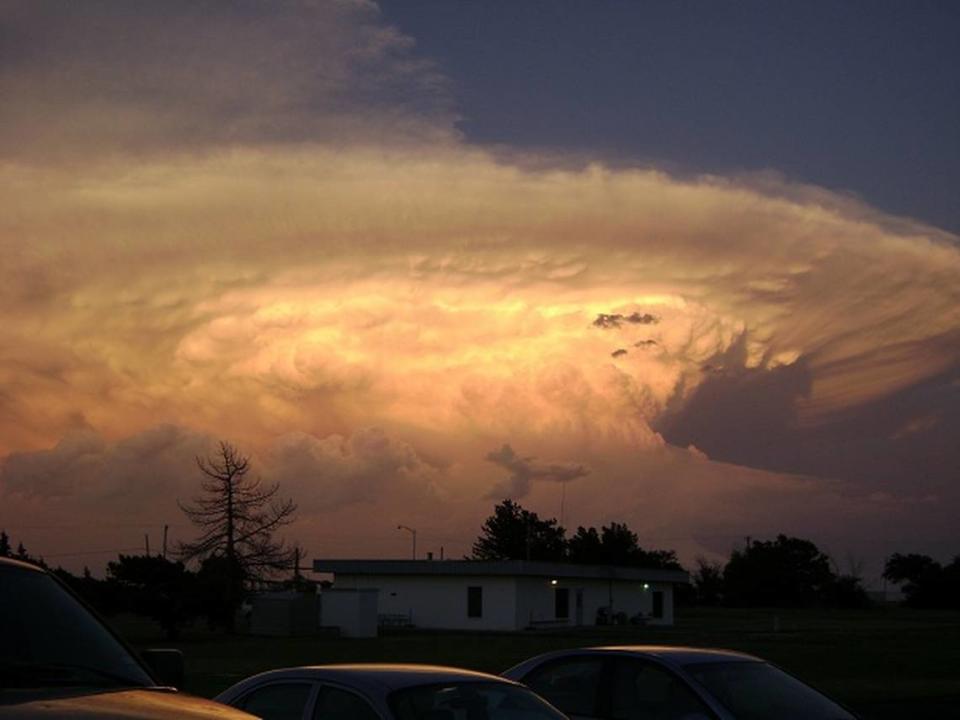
<point x="279" y="700"/>
<point x="573" y="684"/>
<point x="645" y="690"/>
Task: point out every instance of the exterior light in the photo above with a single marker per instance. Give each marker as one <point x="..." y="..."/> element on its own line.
<point x="553" y="582"/>
<point x="646" y="586"/>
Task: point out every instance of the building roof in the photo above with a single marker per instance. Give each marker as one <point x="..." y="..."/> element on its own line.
<point x="502" y="568"/>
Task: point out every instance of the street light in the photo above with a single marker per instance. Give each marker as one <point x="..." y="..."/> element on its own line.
<point x="414" y="534"/>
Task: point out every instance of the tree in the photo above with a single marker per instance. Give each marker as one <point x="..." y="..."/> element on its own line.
<point x="585" y="547"/>
<point x="238" y="517"/>
<point x="513" y="533"/>
<point x="21" y="551"/>
<point x="784" y="572"/>
<point x="708" y="581"/>
<point x="924" y="581"/>
<point x="617" y="544"/>
<point x="156" y="587"/>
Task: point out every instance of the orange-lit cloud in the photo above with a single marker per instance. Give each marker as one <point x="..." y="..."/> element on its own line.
<point x="372" y="314"/>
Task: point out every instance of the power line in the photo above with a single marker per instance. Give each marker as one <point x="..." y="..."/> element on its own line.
<point x="92" y="552"/>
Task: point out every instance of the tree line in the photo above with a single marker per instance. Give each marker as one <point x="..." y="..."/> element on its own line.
<point x="515" y="533"/>
<point x="237" y="551"/>
<point x="783" y="572"/>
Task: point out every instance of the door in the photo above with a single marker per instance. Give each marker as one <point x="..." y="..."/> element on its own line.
<point x="658" y="603"/>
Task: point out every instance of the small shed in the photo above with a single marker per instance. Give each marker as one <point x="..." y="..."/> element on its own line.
<point x="352" y="611"/>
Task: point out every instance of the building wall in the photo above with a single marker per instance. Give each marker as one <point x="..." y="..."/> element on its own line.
<point x="441" y="601"/>
<point x="536" y="604"/>
<point x="509" y="603"/>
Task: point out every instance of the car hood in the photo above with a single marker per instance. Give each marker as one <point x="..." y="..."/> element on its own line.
<point x="138" y="704"/>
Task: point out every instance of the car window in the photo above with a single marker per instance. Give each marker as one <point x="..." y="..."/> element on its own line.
<point x="758" y="690"/>
<point x="471" y="700"/>
<point x="571" y="685"/>
<point x="646" y="691"/>
<point x="48" y="638"/>
<point x="278" y="701"/>
<point x="336" y="704"/>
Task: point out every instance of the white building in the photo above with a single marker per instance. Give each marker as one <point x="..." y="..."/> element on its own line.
<point x="509" y="594"/>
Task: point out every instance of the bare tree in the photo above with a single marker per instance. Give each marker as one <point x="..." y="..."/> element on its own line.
<point x="238" y="517"/>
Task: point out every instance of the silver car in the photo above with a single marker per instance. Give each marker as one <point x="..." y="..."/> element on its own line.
<point x="385" y="692"/>
<point x="671" y="683"/>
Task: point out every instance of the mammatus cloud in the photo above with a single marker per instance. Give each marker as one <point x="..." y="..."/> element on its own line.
<point x="286" y="244"/>
<point x="524" y="471"/>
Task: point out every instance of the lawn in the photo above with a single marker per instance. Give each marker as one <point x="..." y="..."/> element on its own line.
<point x="884" y="663"/>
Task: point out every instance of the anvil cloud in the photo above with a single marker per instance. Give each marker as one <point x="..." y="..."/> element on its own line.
<point x="289" y="246"/>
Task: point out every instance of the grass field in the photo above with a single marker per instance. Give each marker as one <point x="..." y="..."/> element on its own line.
<point x="884" y="664"/>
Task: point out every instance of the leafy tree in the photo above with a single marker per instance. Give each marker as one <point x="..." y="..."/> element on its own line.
<point x="784" y="572"/>
<point x="238" y="517"/>
<point x="156" y="587"/>
<point x="916" y="574"/>
<point x="4" y="544"/>
<point x="513" y="533"/>
<point x="708" y="582"/>
<point x="585" y="547"/>
<point x="924" y="581"/>
<point x="846" y="591"/>
<point x="616" y="544"/>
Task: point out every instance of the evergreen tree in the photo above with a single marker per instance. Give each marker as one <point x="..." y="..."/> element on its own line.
<point x="513" y="533"/>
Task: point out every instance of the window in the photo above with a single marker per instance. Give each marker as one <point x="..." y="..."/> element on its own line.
<point x="336" y="704"/>
<point x="561" y="603"/>
<point x="571" y="685"/>
<point x="474" y="601"/>
<point x="644" y="691"/>
<point x="278" y="701"/>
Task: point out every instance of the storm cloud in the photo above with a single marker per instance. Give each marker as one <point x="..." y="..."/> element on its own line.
<point x="300" y="254"/>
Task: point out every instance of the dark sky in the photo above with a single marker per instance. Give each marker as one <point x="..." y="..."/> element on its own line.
<point x="860" y="97"/>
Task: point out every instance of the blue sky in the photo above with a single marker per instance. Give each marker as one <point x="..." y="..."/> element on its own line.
<point x="859" y="97"/>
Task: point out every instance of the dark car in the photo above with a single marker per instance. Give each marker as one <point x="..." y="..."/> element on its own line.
<point x="671" y="683"/>
<point x="58" y="660"/>
<point x="385" y="692"/>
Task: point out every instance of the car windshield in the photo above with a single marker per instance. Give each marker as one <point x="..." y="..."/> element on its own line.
<point x="759" y="691"/>
<point x="471" y="701"/>
<point x="48" y="639"/>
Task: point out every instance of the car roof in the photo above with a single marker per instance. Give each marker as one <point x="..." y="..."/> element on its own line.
<point x="384" y="676"/>
<point x="673" y="654"/>
<point x="12" y="562"/>
<point x="681" y="654"/>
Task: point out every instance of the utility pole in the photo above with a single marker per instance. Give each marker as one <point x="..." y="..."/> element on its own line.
<point x="165" y="529"/>
<point x="412" y="533"/>
<point x="146" y="543"/>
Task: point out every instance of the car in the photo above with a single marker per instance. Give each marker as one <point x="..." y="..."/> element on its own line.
<point x="385" y="692"/>
<point x="671" y="683"/>
<point x="59" y="660"/>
